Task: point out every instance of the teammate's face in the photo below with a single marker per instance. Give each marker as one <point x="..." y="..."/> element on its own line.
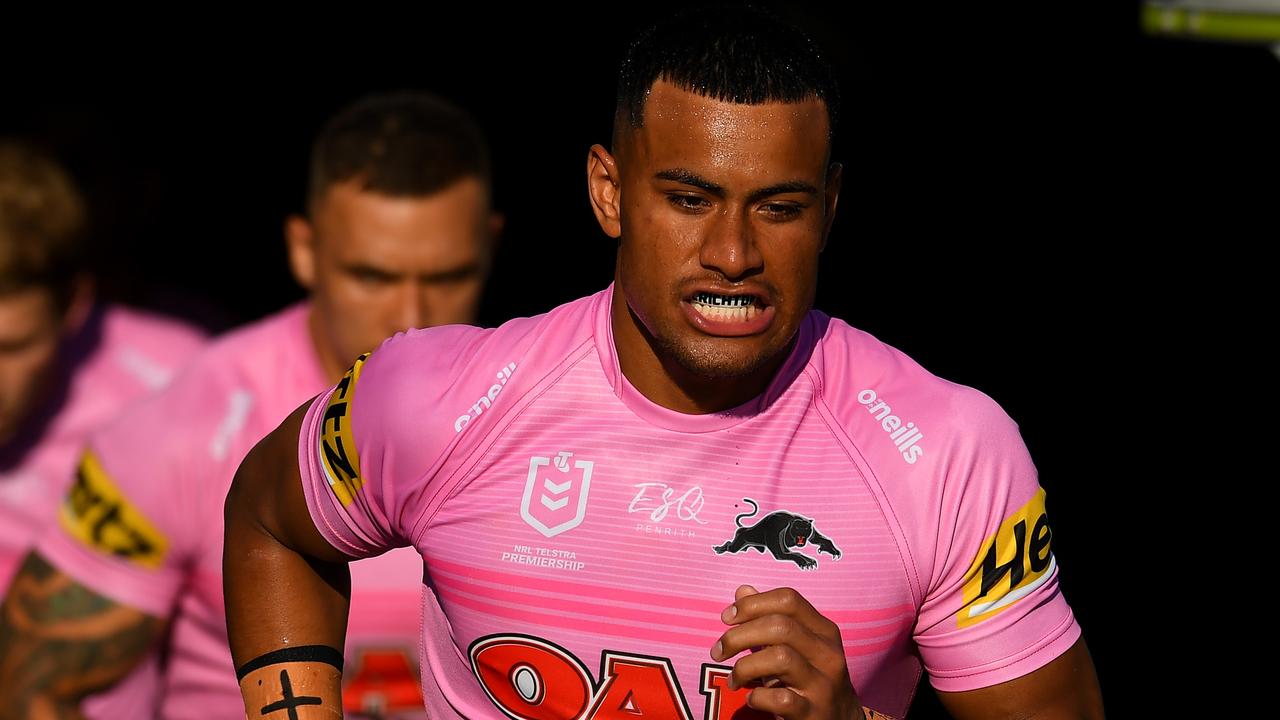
<point x="722" y="209"/>
<point x="30" y="330"/>
<point x="377" y="264"/>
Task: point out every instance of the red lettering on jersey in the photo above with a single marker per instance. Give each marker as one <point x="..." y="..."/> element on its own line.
<point x="635" y="686"/>
<point x="723" y="703"/>
<point x="531" y="679"/>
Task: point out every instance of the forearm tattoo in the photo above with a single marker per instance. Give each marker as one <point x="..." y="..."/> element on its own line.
<point x="60" y="641"/>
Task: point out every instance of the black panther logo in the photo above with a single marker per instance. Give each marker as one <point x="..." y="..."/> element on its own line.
<point x="778" y="532"/>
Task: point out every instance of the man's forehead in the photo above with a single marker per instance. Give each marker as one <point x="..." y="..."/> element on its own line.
<point x="348" y="207"/>
<point x="405" y="233"/>
<point x="667" y="100"/>
<point x="680" y="122"/>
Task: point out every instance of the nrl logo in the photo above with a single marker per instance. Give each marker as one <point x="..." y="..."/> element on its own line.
<point x="555" y="501"/>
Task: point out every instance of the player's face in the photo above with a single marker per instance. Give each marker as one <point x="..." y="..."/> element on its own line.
<point x="724" y="209"/>
<point x="30" y="331"/>
<point x="380" y="264"/>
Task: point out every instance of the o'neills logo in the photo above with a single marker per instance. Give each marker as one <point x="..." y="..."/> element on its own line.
<point x="904" y="435"/>
<point x="486" y="401"/>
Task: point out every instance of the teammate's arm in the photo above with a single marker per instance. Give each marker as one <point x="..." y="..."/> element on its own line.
<point x="287" y="589"/>
<point x="60" y="642"/>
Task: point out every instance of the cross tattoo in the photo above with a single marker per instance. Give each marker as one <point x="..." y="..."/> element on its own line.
<point x="289" y="702"/>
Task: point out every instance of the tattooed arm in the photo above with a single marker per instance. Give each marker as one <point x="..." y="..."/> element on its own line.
<point x="60" y="641"/>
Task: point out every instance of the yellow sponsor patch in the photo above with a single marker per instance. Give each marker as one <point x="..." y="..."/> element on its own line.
<point x="1012" y="563"/>
<point x="97" y="514"/>
<point x="337" y="445"/>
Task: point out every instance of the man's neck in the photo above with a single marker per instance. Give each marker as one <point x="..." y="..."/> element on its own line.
<point x="667" y="383"/>
<point x="332" y="368"/>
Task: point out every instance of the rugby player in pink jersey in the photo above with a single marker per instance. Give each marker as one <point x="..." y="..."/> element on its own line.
<point x="687" y="496"/>
<point x="399" y="234"/>
<point x="67" y="365"/>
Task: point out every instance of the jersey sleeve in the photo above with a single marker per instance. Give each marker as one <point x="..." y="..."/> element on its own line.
<point x="129" y="525"/>
<point x="369" y="447"/>
<point x="992" y="610"/>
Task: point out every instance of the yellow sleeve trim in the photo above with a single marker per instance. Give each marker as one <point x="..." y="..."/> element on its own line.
<point x="97" y="513"/>
<point x="337" y="446"/>
<point x="1012" y="562"/>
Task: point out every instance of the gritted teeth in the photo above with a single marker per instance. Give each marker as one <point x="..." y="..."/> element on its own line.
<point x="727" y="308"/>
<point x="727" y="301"/>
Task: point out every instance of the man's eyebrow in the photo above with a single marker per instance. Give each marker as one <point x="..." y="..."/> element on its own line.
<point x="450" y="274"/>
<point x="461" y="272"/>
<point x="688" y="177"/>
<point x="363" y="267"/>
<point x="791" y="186"/>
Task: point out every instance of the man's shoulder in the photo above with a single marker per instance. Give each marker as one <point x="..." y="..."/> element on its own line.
<point x="168" y="335"/>
<point x="429" y="392"/>
<point x="239" y="353"/>
<point x="219" y="381"/>
<point x="935" y="451"/>
<point x="284" y="328"/>
<point x="127" y="352"/>
<point x="447" y="355"/>
<point x="881" y="395"/>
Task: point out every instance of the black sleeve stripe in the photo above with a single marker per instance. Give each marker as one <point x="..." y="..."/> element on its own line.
<point x="302" y="653"/>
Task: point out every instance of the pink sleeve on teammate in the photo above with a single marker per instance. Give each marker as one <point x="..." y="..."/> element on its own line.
<point x="131" y="520"/>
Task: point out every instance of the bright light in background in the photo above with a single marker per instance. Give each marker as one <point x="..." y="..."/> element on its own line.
<point x="1239" y="21"/>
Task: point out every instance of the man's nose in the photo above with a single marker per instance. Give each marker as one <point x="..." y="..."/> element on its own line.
<point x="729" y="245"/>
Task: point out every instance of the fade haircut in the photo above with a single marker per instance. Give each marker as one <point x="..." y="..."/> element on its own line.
<point x="733" y="54"/>
<point x="404" y="144"/>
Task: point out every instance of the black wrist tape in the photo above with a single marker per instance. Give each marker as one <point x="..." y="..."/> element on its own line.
<point x="301" y="653"/>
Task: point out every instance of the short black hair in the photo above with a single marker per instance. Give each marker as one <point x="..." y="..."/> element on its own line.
<point x="734" y="54"/>
<point x="402" y="144"/>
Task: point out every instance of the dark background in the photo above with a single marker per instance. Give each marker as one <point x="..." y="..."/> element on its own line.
<point x="1035" y="204"/>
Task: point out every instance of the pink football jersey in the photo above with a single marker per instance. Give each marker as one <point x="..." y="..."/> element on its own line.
<point x="120" y="356"/>
<point x="580" y="541"/>
<point x="142" y="524"/>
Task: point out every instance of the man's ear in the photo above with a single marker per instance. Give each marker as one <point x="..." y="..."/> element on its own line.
<point x="604" y="187"/>
<point x="494" y="225"/>
<point x="497" y="221"/>
<point x="80" y="304"/>
<point x="835" y="175"/>
<point x="300" y="242"/>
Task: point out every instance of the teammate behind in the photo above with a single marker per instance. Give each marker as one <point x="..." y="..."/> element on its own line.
<point x="68" y="364"/>
<point x="399" y="234"/>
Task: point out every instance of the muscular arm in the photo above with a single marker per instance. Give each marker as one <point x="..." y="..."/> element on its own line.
<point x="285" y="586"/>
<point x="60" y="642"/>
<point x="1065" y="688"/>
